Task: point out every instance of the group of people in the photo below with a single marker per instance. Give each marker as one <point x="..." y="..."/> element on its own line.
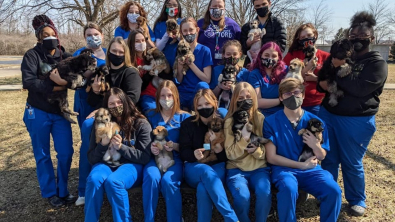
<point x="277" y="108"/>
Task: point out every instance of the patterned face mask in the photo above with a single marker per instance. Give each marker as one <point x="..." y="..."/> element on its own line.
<point x="216" y="12"/>
<point x="190" y="38"/>
<point x="268" y="63"/>
<point x="132" y="17"/>
<point x="231" y="60"/>
<point x="116" y="111"/>
<point x="93" y="41"/>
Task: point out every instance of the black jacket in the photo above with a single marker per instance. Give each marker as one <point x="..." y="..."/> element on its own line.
<point x="192" y="138"/>
<point x="140" y="153"/>
<point x="38" y="84"/>
<point x="127" y="79"/>
<point x="361" y="88"/>
<point x="275" y="31"/>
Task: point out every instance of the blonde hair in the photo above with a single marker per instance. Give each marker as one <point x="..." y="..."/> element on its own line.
<point x="176" y="97"/>
<point x="209" y="96"/>
<point x="120" y="41"/>
<point x="288" y="84"/>
<point x="253" y="112"/>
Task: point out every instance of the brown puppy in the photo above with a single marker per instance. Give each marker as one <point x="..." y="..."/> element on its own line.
<point x="164" y="160"/>
<point x="173" y="30"/>
<point x="142" y="23"/>
<point x="157" y="62"/>
<point x="295" y="69"/>
<point x="101" y="72"/>
<point x="183" y="53"/>
<point x="216" y="127"/>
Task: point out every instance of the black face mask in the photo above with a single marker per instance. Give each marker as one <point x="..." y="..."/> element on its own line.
<point x="244" y="105"/>
<point x="206" y="112"/>
<point x="116" y="60"/>
<point x="50" y="44"/>
<point x="262" y="11"/>
<point x="307" y="41"/>
<point x="360" y="44"/>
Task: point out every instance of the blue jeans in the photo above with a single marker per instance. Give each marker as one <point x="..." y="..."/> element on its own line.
<point x="147" y="103"/>
<point x="115" y="182"/>
<point x="40" y="128"/>
<point x="209" y="190"/>
<point x="349" y="138"/>
<point x="239" y="183"/>
<point x="168" y="184"/>
<point x="84" y="167"/>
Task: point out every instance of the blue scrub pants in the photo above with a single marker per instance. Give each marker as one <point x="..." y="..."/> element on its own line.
<point x="168" y="184"/>
<point x="349" y="138"/>
<point x="239" y="182"/>
<point x="84" y="167"/>
<point x="312" y="109"/>
<point x="209" y="190"/>
<point x="40" y="128"/>
<point x="115" y="182"/>
<point x="317" y="182"/>
<point x="81" y="106"/>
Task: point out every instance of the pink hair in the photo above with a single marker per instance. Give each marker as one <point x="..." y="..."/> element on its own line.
<point x="278" y="71"/>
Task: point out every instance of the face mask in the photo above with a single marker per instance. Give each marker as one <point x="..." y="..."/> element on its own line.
<point x="190" y="38"/>
<point x="116" y="111"/>
<point x="293" y="102"/>
<point x="172" y="12"/>
<point x="141" y="47"/>
<point x="262" y="12"/>
<point x="50" y="43"/>
<point x="217" y="13"/>
<point x="206" y="112"/>
<point x="307" y="41"/>
<point x="268" y="63"/>
<point x="93" y="41"/>
<point x="360" y="44"/>
<point x="116" y="60"/>
<point x="231" y="60"/>
<point x="132" y="17"/>
<point x="166" y="103"/>
<point x="244" y="105"/>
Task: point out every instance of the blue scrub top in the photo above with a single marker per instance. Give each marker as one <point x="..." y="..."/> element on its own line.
<point x="288" y="143"/>
<point x="100" y="62"/>
<point x="242" y="76"/>
<point x="160" y="30"/>
<point x="119" y="31"/>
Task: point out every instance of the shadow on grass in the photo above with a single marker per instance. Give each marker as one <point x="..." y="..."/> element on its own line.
<point x="377" y="158"/>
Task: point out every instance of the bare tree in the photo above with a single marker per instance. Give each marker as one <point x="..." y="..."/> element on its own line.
<point x="319" y="17"/>
<point x="241" y="11"/>
<point x="381" y="12"/>
<point x="194" y="8"/>
<point x="292" y="20"/>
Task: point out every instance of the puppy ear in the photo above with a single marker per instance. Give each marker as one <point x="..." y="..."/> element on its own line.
<point x="155" y="132"/>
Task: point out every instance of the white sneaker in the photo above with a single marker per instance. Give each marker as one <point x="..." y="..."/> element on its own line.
<point x="80" y="201"/>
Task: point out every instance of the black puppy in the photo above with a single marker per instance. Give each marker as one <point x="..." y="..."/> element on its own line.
<point x="101" y="72"/>
<point x="315" y="126"/>
<point x="240" y="118"/>
<point x="228" y="75"/>
<point x="343" y="50"/>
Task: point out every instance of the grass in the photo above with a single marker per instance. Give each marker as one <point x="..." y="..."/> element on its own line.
<point x="20" y="198"/>
<point x="391" y="73"/>
<point x="11" y="81"/>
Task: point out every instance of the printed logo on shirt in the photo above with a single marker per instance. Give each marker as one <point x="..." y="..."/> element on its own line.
<point x="357" y="69"/>
<point x="211" y="31"/>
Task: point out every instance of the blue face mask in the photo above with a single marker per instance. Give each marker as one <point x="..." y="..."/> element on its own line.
<point x="93" y="41"/>
<point x="132" y="17"/>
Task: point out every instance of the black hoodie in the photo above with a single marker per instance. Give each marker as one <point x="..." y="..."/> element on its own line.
<point x="361" y="88"/>
<point x="34" y="81"/>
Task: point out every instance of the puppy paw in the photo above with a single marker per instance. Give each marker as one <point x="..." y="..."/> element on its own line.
<point x="249" y="127"/>
<point x="301" y="131"/>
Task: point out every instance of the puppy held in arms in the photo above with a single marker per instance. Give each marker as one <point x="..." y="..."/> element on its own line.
<point x="184" y="55"/>
<point x="315" y="126"/>
<point x="228" y="76"/>
<point x="164" y="160"/>
<point x="253" y="52"/>
<point x="173" y="30"/>
<point x="213" y="140"/>
<point x="157" y="62"/>
<point x="105" y="128"/>
<point x="295" y="70"/>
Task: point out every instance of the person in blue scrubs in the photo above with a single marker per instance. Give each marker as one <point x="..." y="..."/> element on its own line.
<point x="266" y="74"/>
<point x="283" y="152"/>
<point x="169" y="115"/>
<point x="171" y="10"/>
<point x="128" y="15"/>
<point x="199" y="70"/>
<point x="351" y="123"/>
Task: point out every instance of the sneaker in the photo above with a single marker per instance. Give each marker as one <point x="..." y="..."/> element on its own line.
<point x="55" y="201"/>
<point x="69" y="199"/>
<point x="80" y="201"/>
<point x="302" y="198"/>
<point x="357" y="210"/>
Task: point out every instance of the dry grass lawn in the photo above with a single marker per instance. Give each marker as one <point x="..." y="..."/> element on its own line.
<point x="391" y="73"/>
<point x="20" y="195"/>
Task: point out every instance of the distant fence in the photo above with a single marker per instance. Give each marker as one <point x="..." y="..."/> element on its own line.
<point x="384" y="49"/>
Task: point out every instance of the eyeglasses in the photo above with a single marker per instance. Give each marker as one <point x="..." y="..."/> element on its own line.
<point x="296" y="93"/>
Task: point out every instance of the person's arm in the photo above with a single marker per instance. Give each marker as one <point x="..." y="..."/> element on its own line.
<point x="265" y="103"/>
<point x="234" y="150"/>
<point x="186" y="142"/>
<point x="314" y="144"/>
<point x="96" y="150"/>
<point x="278" y="160"/>
<point x="280" y="34"/>
<point x="131" y="84"/>
<point x="161" y="43"/>
<point x="205" y="75"/>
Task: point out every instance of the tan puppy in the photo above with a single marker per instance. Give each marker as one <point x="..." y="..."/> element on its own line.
<point x="253" y="52"/>
<point x="173" y="30"/>
<point x="164" y="160"/>
<point x="295" y="69"/>
<point x="216" y="127"/>
<point x="142" y="23"/>
<point x="183" y="53"/>
<point x="157" y="62"/>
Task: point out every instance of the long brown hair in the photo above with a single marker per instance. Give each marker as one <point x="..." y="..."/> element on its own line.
<point x="119" y="40"/>
<point x="207" y="19"/>
<point x="132" y="48"/>
<point x="123" y="14"/>
<point x="295" y="42"/>
<point x="163" y="15"/>
<point x="176" y="98"/>
<point x="209" y="96"/>
<point x="130" y="114"/>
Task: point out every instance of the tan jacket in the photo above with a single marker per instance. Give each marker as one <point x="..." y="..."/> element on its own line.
<point x="236" y="153"/>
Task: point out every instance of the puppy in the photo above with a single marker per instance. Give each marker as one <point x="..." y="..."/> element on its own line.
<point x="101" y="72"/>
<point x="253" y="52"/>
<point x="257" y="140"/>
<point x="183" y="53"/>
<point x="173" y="30"/>
<point x="142" y="24"/>
<point x="102" y="130"/>
<point x="228" y="75"/>
<point x="71" y="70"/>
<point x="216" y="127"/>
<point x="342" y="50"/>
<point x="315" y="126"/>
<point x="309" y="52"/>
<point x="295" y="70"/>
<point x="240" y="118"/>
<point x="164" y="160"/>
<point x="157" y="62"/>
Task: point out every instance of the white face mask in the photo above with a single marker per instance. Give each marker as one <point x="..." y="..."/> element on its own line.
<point x="141" y="47"/>
<point x="166" y="103"/>
<point x="132" y="17"/>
